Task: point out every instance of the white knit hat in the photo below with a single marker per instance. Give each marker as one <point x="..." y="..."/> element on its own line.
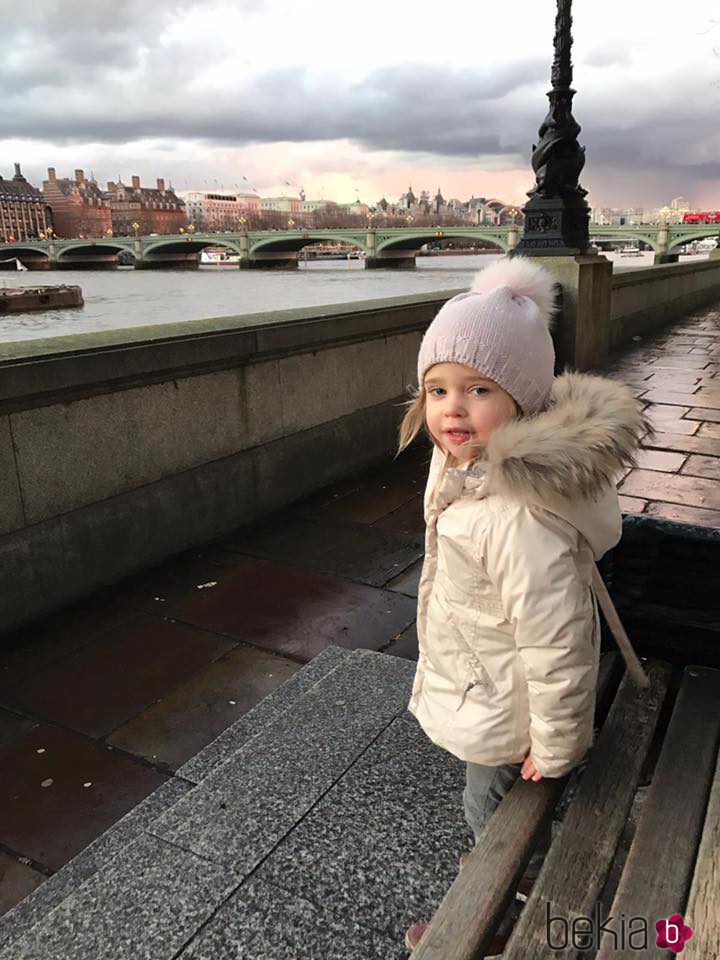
<point x="500" y="327"/>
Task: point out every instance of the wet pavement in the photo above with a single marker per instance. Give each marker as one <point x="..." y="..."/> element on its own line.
<point x="102" y="703"/>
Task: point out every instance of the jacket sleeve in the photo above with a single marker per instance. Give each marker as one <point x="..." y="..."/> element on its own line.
<point x="528" y="554"/>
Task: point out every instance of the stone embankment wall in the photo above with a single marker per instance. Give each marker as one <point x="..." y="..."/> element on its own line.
<point x="120" y="448"/>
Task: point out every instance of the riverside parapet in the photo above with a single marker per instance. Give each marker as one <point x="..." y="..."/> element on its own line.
<point x="20" y="299"/>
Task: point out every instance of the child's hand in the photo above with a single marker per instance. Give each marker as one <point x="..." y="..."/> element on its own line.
<point x="529" y="771"/>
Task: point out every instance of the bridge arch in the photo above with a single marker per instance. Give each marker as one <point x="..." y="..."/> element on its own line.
<point x="84" y="249"/>
<point x="617" y="233"/>
<point x="703" y="231"/>
<point x="185" y="244"/>
<point x="421" y="237"/>
<point x="28" y="254"/>
<point x="291" y="244"/>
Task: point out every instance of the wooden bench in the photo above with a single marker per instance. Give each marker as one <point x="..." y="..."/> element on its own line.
<point x="673" y="864"/>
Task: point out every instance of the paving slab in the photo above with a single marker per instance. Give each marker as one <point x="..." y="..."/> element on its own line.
<point x="54" y="638"/>
<point x="407" y="520"/>
<point x="240" y="811"/>
<point x="131" y="665"/>
<point x="704" y="413"/>
<point x="145" y="905"/>
<point x="91" y="859"/>
<point x="671" y="361"/>
<point x="660" y="460"/>
<point x="236" y="736"/>
<point x="47" y="814"/>
<point x="683" y="514"/>
<point x="262" y="921"/>
<point x="155" y="591"/>
<point x="631" y="504"/>
<point x="672" y="424"/>
<point x="194" y="714"/>
<point x="692" y="491"/>
<point x="297" y="612"/>
<point x="356" y="552"/>
<point x="405" y="644"/>
<point x="703" y="443"/>
<point x="409" y="580"/>
<point x="17" y="881"/>
<point x="701" y="466"/>
<point x="371" y="501"/>
<point x="13" y="726"/>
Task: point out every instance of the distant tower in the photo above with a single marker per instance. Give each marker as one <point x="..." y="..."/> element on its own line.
<point x="410" y="198"/>
<point x="439" y="201"/>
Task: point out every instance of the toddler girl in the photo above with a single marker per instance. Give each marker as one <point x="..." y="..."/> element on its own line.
<point x="520" y="502"/>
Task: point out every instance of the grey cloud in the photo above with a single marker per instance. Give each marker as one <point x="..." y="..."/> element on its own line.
<point x="66" y="82"/>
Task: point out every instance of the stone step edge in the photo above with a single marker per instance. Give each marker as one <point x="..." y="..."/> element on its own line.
<point x="103" y="850"/>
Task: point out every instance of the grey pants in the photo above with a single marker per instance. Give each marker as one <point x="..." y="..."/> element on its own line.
<point x="484" y="789"/>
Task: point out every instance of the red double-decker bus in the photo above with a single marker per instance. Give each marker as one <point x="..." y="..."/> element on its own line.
<point x="706" y="216"/>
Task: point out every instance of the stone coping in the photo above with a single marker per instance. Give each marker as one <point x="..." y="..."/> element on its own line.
<point x="651" y="274"/>
<point x="41" y="371"/>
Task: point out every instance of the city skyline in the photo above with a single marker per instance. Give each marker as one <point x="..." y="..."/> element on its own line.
<point x="364" y="110"/>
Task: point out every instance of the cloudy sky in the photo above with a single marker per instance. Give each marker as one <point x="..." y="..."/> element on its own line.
<point x="360" y="99"/>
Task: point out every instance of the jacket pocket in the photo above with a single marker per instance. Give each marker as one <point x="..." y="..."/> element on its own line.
<point x="472" y="673"/>
<point x="469" y="681"/>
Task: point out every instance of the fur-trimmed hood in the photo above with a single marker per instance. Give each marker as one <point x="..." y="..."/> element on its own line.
<point x="589" y="433"/>
<point x="568" y="458"/>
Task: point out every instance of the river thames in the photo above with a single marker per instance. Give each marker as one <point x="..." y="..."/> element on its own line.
<point x="125" y="297"/>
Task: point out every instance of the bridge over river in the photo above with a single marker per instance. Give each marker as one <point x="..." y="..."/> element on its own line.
<point x="394" y="247"/>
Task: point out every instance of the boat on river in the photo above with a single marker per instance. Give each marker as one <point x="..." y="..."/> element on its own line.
<point x="218" y="257"/>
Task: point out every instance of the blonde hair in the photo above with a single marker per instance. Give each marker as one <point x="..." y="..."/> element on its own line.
<point x="414" y="422"/>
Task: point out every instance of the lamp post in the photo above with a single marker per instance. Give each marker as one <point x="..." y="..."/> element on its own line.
<point x="136" y="227"/>
<point x="557" y="214"/>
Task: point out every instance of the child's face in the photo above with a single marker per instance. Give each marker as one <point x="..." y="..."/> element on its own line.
<point x="458" y="398"/>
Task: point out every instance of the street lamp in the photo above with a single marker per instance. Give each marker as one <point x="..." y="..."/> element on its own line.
<point x="557" y="215"/>
<point x="136" y="227"/>
<point x="242" y="221"/>
<point x="409" y="219"/>
<point x="191" y="228"/>
<point x="291" y="224"/>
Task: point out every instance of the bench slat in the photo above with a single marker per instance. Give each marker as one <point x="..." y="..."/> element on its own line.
<point x="499" y="858"/>
<point x="703" y="910"/>
<point x="577" y="864"/>
<point x="659" y="867"/>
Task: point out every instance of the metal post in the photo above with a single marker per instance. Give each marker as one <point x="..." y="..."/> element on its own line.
<point x="557" y="214"/>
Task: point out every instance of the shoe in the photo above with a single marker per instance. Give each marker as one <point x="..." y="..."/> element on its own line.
<point x="524" y="888"/>
<point x="414" y="934"/>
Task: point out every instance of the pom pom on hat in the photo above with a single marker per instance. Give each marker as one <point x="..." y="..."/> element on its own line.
<point x="525" y="278"/>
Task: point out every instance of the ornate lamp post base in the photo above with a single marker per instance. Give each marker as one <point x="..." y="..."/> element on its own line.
<point x="555" y="228"/>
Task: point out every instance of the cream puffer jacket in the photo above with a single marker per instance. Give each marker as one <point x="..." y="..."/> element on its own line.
<point x="507" y="620"/>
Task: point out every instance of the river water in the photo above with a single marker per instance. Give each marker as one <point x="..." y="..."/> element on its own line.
<point x="129" y="298"/>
